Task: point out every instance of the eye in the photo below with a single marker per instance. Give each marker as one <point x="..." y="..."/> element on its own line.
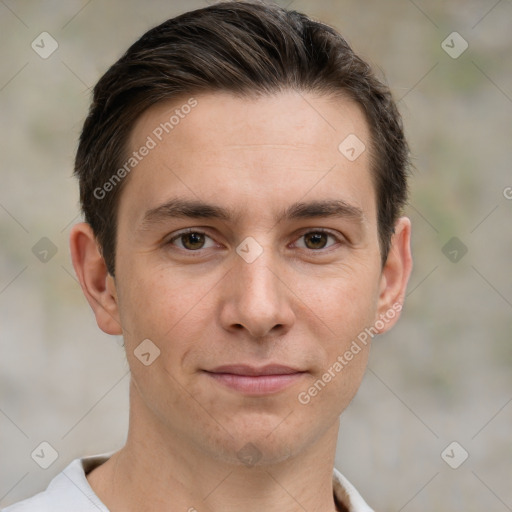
<point x="191" y="240"/>
<point x="317" y="240"/>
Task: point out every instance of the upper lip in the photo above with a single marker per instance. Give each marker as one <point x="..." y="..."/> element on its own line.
<point x="243" y="369"/>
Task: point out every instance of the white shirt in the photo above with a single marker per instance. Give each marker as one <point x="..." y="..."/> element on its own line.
<point x="70" y="491"/>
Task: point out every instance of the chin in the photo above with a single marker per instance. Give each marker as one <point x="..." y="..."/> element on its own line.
<point x="264" y="441"/>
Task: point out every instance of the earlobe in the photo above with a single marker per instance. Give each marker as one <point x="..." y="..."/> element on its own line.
<point x="395" y="275"/>
<point x="97" y="284"/>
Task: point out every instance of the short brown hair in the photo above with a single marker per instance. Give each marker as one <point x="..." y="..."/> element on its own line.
<point x="243" y="48"/>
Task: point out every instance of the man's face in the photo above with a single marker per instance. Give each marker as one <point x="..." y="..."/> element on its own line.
<point x="256" y="287"/>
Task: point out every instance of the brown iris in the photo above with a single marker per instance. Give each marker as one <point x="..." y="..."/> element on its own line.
<point x="318" y="239"/>
<point x="196" y="240"/>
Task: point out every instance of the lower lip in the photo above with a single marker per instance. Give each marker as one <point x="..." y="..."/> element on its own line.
<point x="256" y="385"/>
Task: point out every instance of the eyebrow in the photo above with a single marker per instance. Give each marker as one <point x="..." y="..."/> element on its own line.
<point x="194" y="209"/>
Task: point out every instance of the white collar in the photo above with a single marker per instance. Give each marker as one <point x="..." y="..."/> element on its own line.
<point x="70" y="490"/>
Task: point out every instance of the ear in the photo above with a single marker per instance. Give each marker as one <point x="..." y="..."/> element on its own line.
<point x="394" y="277"/>
<point x="97" y="284"/>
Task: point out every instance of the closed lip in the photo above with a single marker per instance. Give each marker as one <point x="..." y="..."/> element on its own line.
<point x="253" y="371"/>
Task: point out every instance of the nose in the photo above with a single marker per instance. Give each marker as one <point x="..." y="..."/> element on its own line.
<point x="257" y="298"/>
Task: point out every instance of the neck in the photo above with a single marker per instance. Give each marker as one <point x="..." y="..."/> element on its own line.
<point x="160" y="470"/>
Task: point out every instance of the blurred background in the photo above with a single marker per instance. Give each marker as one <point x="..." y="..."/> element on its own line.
<point x="430" y="428"/>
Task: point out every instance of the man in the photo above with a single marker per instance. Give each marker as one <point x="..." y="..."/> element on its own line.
<point x="242" y="174"/>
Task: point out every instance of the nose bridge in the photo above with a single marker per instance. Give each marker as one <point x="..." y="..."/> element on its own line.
<point x="256" y="282"/>
<point x="256" y="298"/>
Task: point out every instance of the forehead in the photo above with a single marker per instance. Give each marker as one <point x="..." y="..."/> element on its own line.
<point x="254" y="151"/>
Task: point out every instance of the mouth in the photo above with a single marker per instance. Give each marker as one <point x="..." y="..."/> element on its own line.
<point x="255" y="381"/>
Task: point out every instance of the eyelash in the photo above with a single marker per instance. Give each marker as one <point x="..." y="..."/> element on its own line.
<point x="310" y="231"/>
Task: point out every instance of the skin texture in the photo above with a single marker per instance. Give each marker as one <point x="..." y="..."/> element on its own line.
<point x="301" y="303"/>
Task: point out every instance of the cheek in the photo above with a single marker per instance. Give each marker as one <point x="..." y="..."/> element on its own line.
<point x="346" y="308"/>
<point x="169" y="308"/>
<point x="153" y="302"/>
<point x="345" y="353"/>
<point x="159" y="307"/>
<point x="346" y="301"/>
